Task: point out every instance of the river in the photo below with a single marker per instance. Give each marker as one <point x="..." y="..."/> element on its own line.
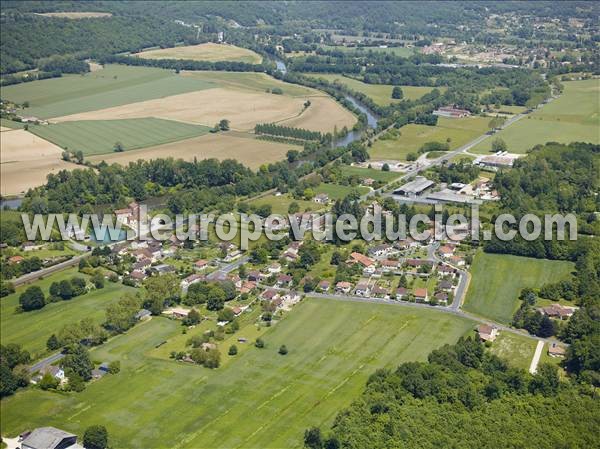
<point x="352" y="135"/>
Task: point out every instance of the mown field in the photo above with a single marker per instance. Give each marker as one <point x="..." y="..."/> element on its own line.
<point x="459" y="131"/>
<point x="573" y="117"/>
<point x="114" y="85"/>
<point x="338" y="191"/>
<point x="380" y="93"/>
<point x="516" y="350"/>
<point x="397" y="51"/>
<point x="377" y="175"/>
<point x="99" y="136"/>
<point x="497" y="280"/>
<point x="32" y="329"/>
<point x="208" y="51"/>
<point x="260" y="399"/>
<point x="281" y="203"/>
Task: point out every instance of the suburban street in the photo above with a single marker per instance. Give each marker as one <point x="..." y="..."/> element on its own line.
<point x="46" y="361"/>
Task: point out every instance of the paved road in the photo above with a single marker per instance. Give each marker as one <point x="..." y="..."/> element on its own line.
<point x="29" y="277"/>
<point x="44" y="362"/>
<point x="226" y="269"/>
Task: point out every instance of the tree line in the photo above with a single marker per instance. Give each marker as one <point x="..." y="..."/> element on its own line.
<point x="287" y="131"/>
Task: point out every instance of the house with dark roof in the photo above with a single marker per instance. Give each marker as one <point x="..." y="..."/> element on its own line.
<point x="50" y="438"/>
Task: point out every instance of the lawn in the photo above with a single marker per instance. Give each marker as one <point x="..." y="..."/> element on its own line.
<point x="338" y="192"/>
<point x="459" y="131"/>
<point x="115" y="85"/>
<point x="208" y="51"/>
<point x="517" y="350"/>
<point x="497" y="280"/>
<point x="281" y="203"/>
<point x="32" y="329"/>
<point x="260" y="399"/>
<point x="377" y="175"/>
<point x="99" y="136"/>
<point x="573" y="117"/>
<point x="379" y="93"/>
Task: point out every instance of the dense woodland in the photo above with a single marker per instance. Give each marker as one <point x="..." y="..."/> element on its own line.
<point x="465" y="397"/>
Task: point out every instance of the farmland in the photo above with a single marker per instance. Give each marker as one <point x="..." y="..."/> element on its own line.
<point x="32" y="329"/>
<point x="573" y="117"/>
<point x="380" y="93"/>
<point x="377" y="175"/>
<point x="26" y="160"/>
<point x="459" y="131"/>
<point x="333" y="348"/>
<point x="498" y="279"/>
<point x="246" y="150"/>
<point x="397" y="51"/>
<point x="114" y="85"/>
<point x="91" y="136"/>
<point x="324" y="115"/>
<point x="76" y="15"/>
<point x="208" y="51"/>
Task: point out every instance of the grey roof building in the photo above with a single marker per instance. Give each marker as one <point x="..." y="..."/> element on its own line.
<point x="414" y="187"/>
<point x="50" y="438"/>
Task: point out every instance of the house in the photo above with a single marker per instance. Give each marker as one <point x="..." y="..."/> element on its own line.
<point x="451" y="112"/>
<point x="290" y="256"/>
<point x="208" y="346"/>
<point x="323" y="285"/>
<point x="164" y="269"/>
<point x="50" y="438"/>
<point x="557" y="311"/>
<point x="380" y="250"/>
<point x="247" y="286"/>
<point x="237" y="311"/>
<point x="191" y="279"/>
<point x="368" y="182"/>
<point x="177" y="312"/>
<point x="142" y="253"/>
<point x="142" y="264"/>
<point x="343" y="287"/>
<point x="130" y="215"/>
<point x="361" y="259"/>
<point x="362" y="289"/>
<point x="556" y="351"/>
<point x="284" y="280"/>
<point x="143" y="314"/>
<point x="98" y="373"/>
<point x="416" y="263"/>
<point x="421" y="294"/>
<point x="445" y="286"/>
<point x="55" y="371"/>
<point x="441" y="297"/>
<point x="487" y="333"/>
<point x="201" y="264"/>
<point x="254" y="276"/>
<point x="446" y="250"/>
<point x="446" y="270"/>
<point x="291" y="297"/>
<point x="15" y="259"/>
<point x="389" y="265"/>
<point x="400" y="293"/>
<point x="321" y="198"/>
<point x="175" y="241"/>
<point x="138" y="275"/>
<point x="269" y="294"/>
<point x="233" y="256"/>
<point x="380" y="292"/>
<point x="274" y="268"/>
<point x="457" y="260"/>
<point x="370" y="270"/>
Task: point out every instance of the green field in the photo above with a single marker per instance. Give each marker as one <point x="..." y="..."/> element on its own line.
<point x="115" y="85"/>
<point x="32" y="329"/>
<point x="573" y="117"/>
<point x="377" y="175"/>
<point x="397" y="51"/>
<point x="337" y="191"/>
<point x="281" y="203"/>
<point x="497" y="280"/>
<point x="459" y="131"/>
<point x="99" y="136"/>
<point x="379" y="93"/>
<point x="260" y="399"/>
<point x="516" y="350"/>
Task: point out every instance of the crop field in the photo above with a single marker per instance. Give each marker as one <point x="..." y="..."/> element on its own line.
<point x="498" y="279"/>
<point x="115" y="85"/>
<point x="324" y="114"/>
<point x="573" y="117"/>
<point x="251" y="81"/>
<point x="99" y="136"/>
<point x="459" y="131"/>
<point x="243" y="109"/>
<point x="32" y="329"/>
<point x="246" y="150"/>
<point x="208" y="51"/>
<point x="396" y="51"/>
<point x="515" y="349"/>
<point x="259" y="399"/>
<point x="75" y="15"/>
<point x="26" y="160"/>
<point x="380" y="93"/>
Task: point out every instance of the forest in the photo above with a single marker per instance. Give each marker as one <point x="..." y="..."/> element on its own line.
<point x="465" y="397"/>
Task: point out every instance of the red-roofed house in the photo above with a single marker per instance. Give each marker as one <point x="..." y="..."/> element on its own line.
<point x="361" y="259"/>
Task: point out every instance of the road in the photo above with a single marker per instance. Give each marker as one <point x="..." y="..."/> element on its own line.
<point x="44" y="362"/>
<point x="29" y="277"/>
<point x="226" y="269"/>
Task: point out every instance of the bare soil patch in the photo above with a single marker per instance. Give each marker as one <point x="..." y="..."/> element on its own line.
<point x="208" y="51"/>
<point x="324" y="114"/>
